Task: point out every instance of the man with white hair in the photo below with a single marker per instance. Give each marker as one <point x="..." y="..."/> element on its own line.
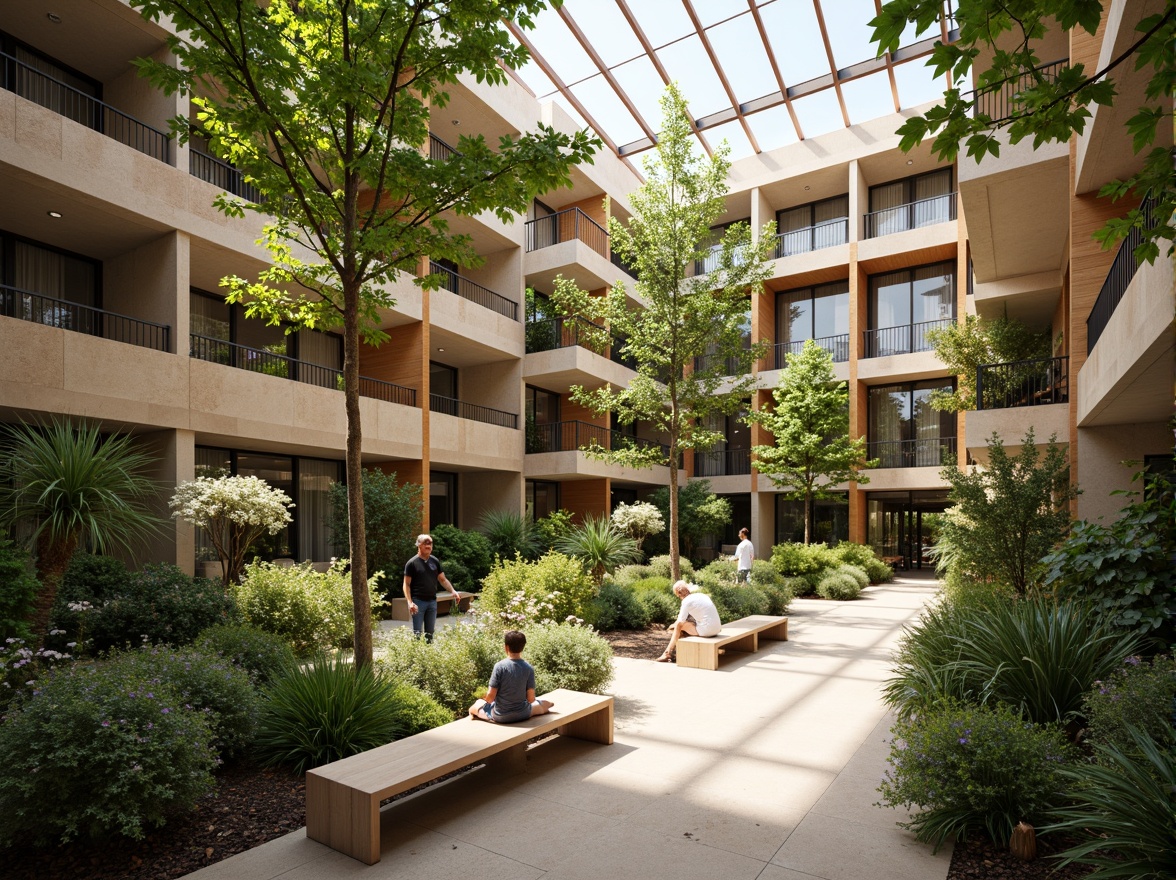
<point x="698" y="616"/>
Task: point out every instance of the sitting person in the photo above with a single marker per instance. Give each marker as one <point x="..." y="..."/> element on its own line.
<point x="697" y="617"/>
<point x="512" y="687"/>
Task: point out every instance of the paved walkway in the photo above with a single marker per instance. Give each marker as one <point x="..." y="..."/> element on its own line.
<point x="764" y="770"/>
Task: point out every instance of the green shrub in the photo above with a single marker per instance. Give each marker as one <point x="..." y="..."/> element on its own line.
<point x="91" y="577"/>
<point x="722" y="570"/>
<point x="415" y="711"/>
<point x="858" y="574"/>
<point x="866" y="559"/>
<point x="391" y="518"/>
<point x="660" y="605"/>
<point x="1137" y="696"/>
<point x="549" y="530"/>
<point x="778" y="595"/>
<point x="518" y="593"/>
<point x="659" y="566"/>
<point x="763" y="573"/>
<point x="838" y="585"/>
<point x="799" y="586"/>
<point x="326" y="711"/>
<point x="810" y="561"/>
<point x="206" y="683"/>
<point x="628" y="575"/>
<point x="654" y="584"/>
<point x="972" y="769"/>
<point x="617" y="608"/>
<point x="466" y="556"/>
<point x="566" y="656"/>
<point x="510" y="534"/>
<point x="734" y="601"/>
<point x="100" y="750"/>
<point x="263" y="655"/>
<point x="454" y="670"/>
<point x="18" y="589"/>
<point x="311" y="610"/>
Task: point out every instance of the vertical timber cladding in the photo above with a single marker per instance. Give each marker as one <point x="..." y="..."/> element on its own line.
<point x="585" y="498"/>
<point x="963" y="283"/>
<point x="859" y="312"/>
<point x="592" y="208"/>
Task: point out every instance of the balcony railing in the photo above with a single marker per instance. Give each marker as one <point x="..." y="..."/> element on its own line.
<point x="474" y="292"/>
<point x="913" y="215"/>
<point x="812" y="238"/>
<point x="929" y="452"/>
<point x="221" y="174"/>
<point x="65" y="100"/>
<point x="439" y="151"/>
<point x="258" y="360"/>
<point x="568" y="225"/>
<point x="837" y="346"/>
<point x="574" y="435"/>
<point x="451" y="406"/>
<point x="1118" y="278"/>
<point x="617" y="261"/>
<point x="1023" y="383"/>
<point x="903" y="339"/>
<point x="40" y="309"/>
<point x="998" y="103"/>
<point x="553" y="333"/>
<point x="722" y="463"/>
<point x="731" y="365"/>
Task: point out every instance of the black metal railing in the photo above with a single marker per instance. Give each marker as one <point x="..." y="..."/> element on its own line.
<point x="616" y="353"/>
<point x="913" y="215"/>
<point x="567" y="225"/>
<point x="732" y="366"/>
<point x="37" y="308"/>
<point x="722" y="463"/>
<point x="929" y="452"/>
<point x="1023" y="383"/>
<point x="999" y="102"/>
<point x="451" y="406"/>
<point x="258" y="360"/>
<point x="571" y="436"/>
<point x="812" y="238"/>
<point x="474" y="292"/>
<point x="41" y="88"/>
<point x="837" y="346"/>
<point x="1118" y="277"/>
<point x="439" y="151"/>
<point x="904" y="339"/>
<point x="221" y="174"/>
<point x="552" y="333"/>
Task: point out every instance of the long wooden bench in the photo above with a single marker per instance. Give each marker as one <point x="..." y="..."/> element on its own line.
<point x="738" y="635"/>
<point x="343" y="798"/>
<point x="444" y="604"/>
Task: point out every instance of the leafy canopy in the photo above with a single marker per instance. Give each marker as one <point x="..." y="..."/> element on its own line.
<point x="966" y="347"/>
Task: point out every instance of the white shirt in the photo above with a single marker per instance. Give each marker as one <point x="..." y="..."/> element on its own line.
<point x="706" y="617"/>
<point x="744" y="553"/>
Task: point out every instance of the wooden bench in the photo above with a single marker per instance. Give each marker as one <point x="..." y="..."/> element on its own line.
<point x="343" y="797"/>
<point x="895" y="562"/>
<point x="738" y="635"/>
<point x="444" y="604"/>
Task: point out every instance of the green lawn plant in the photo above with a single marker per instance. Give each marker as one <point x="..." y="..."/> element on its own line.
<point x="262" y="655"/>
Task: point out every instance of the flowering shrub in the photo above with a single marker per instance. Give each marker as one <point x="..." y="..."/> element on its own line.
<point x="100" y="749"/>
<point x="234" y="512"/>
<point x="21" y="666"/>
<point x="638" y="520"/>
<point x="568" y="656"/>
<point x="972" y="769"/>
<point x="454" y="670"/>
<point x="311" y="610"/>
<point x="261" y="654"/>
<point x="1137" y="695"/>
<point x="517" y="593"/>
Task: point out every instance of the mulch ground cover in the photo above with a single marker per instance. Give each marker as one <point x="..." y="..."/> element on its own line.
<point x="252" y="805"/>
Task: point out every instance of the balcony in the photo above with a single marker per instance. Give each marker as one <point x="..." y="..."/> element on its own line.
<point x="40" y="88"/>
<point x="1119" y="277"/>
<point x="258" y="360"/>
<point x="999" y="103"/>
<point x="837" y="346"/>
<point x="553" y="333"/>
<point x="474" y="292"/>
<point x="439" y="151"/>
<point x="722" y="463"/>
<point x="573" y="436"/>
<point x="570" y="225"/>
<point x="221" y="174"/>
<point x="812" y="238"/>
<point x="451" y="406"/>
<point x="913" y="215"/>
<point x="1023" y="383"/>
<point x="904" y="339"/>
<point x="930" y="452"/>
<point x="51" y="312"/>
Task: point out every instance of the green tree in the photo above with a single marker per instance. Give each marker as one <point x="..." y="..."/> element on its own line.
<point x="74" y="487"/>
<point x="688" y="337"/>
<point x="701" y="513"/>
<point x="965" y="347"/>
<point x="324" y="106"/>
<point x="392" y="520"/>
<point x="810" y="423"/>
<point x="1046" y="108"/>
<point x="1009" y="514"/>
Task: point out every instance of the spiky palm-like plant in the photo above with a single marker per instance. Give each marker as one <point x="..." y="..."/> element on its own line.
<point x="600" y="546"/>
<point x="74" y="486"/>
<point x="509" y="532"/>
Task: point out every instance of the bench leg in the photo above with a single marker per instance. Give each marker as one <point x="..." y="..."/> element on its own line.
<point x="597" y="727"/>
<point x="698" y="655"/>
<point x="749" y="644"/>
<point x="779" y="632"/>
<point x="346" y="820"/>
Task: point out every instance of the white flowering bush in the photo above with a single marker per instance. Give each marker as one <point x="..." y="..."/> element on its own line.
<point x="517" y="593"/>
<point x="638" y="520"/>
<point x="234" y="512"/>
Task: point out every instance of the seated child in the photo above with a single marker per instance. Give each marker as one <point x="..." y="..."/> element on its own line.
<point x="512" y="687"/>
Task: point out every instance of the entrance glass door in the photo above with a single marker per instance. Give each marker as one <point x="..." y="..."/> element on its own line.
<point x="904" y="525"/>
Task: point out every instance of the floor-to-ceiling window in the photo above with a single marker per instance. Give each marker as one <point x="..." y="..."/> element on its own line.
<point x="905" y="430"/>
<point x="46" y="285"/>
<point x="542" y="498"/>
<point x="829" y="523"/>
<point x="819" y="313"/>
<point x="543" y="428"/>
<point x="732" y="454"/>
<point x="812" y="227"/>
<point x="906" y="304"/>
<point x="911" y="203"/>
<point x="442" y="498"/>
<point x="905" y="525"/>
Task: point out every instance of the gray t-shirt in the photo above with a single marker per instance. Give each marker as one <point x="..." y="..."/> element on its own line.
<point x="513" y="678"/>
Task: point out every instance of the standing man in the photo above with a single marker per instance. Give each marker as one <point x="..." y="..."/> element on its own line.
<point x="422" y="573"/>
<point x="744" y="554"/>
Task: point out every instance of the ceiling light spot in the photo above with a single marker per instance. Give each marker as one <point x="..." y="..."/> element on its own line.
<point x="910" y="161"/>
<point x="53" y="17"/>
<point x="56" y="215"/>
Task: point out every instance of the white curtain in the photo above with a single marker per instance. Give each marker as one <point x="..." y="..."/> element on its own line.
<point x="314" y="484"/>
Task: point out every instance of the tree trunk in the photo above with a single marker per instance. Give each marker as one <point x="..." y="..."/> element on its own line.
<point x="675" y="564"/>
<point x="354" y="467"/>
<point x="53" y="558"/>
<point x="808" y="516"/>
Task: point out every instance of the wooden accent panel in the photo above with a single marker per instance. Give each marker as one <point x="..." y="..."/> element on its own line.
<point x="585" y="498"/>
<point x="908" y="259"/>
<point x="806" y="279"/>
<point x="763" y="324"/>
<point x="398" y="360"/>
<point x="859" y="317"/>
<point x="593" y="206"/>
<point x="569" y="411"/>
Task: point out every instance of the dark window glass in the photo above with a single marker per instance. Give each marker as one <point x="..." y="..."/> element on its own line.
<point x="442" y="499"/>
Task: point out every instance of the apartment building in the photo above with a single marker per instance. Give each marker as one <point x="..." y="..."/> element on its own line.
<point x="110" y="307"/>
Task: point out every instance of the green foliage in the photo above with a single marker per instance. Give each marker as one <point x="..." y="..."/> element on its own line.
<point x="1037" y="656"/>
<point x="517" y="593"/>
<point x="1136" y="697"/>
<point x="466" y="556"/>
<point x="1122" y="810"/>
<point x="204" y="682"/>
<point x="973" y="769"/>
<point x="701" y="514"/>
<point x="864" y="558"/>
<point x="311" y="610"/>
<point x="263" y="655"/>
<point x="1125" y="568"/>
<point x="414" y="711"/>
<point x="18" y="588"/>
<point x="616" y="607"/>
<point x="660" y="566"/>
<point x="799" y="586"/>
<point x="510" y="534"/>
<point x="1010" y="514"/>
<point x="551" y="528"/>
<point x="600" y="546"/>
<point x="839" y="585"/>
<point x="638" y="520"/>
<point x="965" y="347"/>
<point x="567" y="656"/>
<point x="98" y="750"/>
<point x="454" y="670"/>
<point x="812" y="451"/>
<point x="858" y="574"/>
<point x="326" y="711"/>
<point x="628" y="575"/>
<point x="391" y="522"/>
<point x="734" y="601"/>
<point x="810" y="561"/>
<point x="659" y="604"/>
